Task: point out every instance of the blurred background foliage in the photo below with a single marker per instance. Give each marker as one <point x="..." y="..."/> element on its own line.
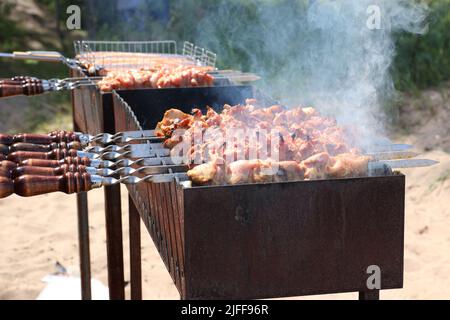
<point x="424" y="61"/>
<point x="421" y="61"/>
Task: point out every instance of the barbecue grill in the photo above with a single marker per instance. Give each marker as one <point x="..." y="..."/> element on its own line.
<point x="174" y="205"/>
<point x="93" y="113"/>
<point x="247" y="241"/>
<point x="264" y="240"/>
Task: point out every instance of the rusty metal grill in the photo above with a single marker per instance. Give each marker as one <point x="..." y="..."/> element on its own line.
<point x="264" y="240"/>
<point x="160" y="203"/>
<point x="253" y="241"/>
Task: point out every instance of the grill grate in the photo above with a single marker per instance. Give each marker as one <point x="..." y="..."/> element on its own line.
<point x="114" y="55"/>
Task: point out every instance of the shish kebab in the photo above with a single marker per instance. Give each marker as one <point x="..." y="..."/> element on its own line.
<point x="80" y="179"/>
<point x="61" y="144"/>
<point x="305" y="117"/>
<point x="75" y="182"/>
<point x="160" y="166"/>
<point x="20" y="151"/>
<point x="139" y="79"/>
<point x="104" y="139"/>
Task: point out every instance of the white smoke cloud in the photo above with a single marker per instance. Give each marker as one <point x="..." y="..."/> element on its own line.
<point x="320" y="53"/>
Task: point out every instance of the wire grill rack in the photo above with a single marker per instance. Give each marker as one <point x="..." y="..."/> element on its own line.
<point x="114" y="55"/>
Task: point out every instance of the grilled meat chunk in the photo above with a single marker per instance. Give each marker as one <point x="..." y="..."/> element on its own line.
<point x="250" y="144"/>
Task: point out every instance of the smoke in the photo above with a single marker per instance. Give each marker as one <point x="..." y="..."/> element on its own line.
<point x="333" y="55"/>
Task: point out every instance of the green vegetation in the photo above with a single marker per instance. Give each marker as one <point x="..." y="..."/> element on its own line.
<point x="424" y="61"/>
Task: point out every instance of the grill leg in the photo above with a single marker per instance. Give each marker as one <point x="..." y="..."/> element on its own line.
<point x="369" y="295"/>
<point x="135" y="251"/>
<point x="83" y="243"/>
<point x="83" y="239"/>
<point x="114" y="245"/>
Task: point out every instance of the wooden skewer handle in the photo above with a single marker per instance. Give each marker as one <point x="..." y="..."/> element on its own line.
<point x="6" y="187"/>
<point x="28" y="89"/>
<point x="19" y="81"/>
<point x="55" y="163"/>
<point x="46" y="139"/>
<point x="64" y="136"/>
<point x="33" y="147"/>
<point x="9" y="90"/>
<point x="29" y="185"/>
<point x="4" y="149"/>
<point x="5" y="173"/>
<point x="47" y="171"/>
<point x="57" y="154"/>
<point x="24" y="78"/>
<point x="33" y="138"/>
<point x="40" y="163"/>
<point x="6" y="139"/>
<point x="8" y="165"/>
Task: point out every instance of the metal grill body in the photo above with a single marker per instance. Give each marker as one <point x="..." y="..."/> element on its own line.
<point x="265" y="240"/>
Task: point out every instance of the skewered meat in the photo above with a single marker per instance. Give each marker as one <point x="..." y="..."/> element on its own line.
<point x="157" y="77"/>
<point x="204" y="173"/>
<point x="259" y="171"/>
<point x="106" y="61"/>
<point x="248" y="144"/>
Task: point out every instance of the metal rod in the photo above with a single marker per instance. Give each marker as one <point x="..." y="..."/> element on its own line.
<point x="83" y="236"/>
<point x="6" y="55"/>
<point x="84" y="248"/>
<point x="113" y="220"/>
<point x="135" y="251"/>
<point x="114" y="244"/>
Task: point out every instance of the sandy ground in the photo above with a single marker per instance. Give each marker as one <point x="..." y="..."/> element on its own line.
<point x="38" y="232"/>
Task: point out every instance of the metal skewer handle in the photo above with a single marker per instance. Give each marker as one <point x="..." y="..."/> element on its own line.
<point x="34" y="185"/>
<point x="45" y="56"/>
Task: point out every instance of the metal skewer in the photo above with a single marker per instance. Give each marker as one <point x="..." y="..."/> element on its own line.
<point x="409" y="163"/>
<point x="33" y="185"/>
<point x="46" y="56"/>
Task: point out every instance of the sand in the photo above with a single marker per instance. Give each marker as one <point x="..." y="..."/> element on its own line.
<point x="37" y="232"/>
